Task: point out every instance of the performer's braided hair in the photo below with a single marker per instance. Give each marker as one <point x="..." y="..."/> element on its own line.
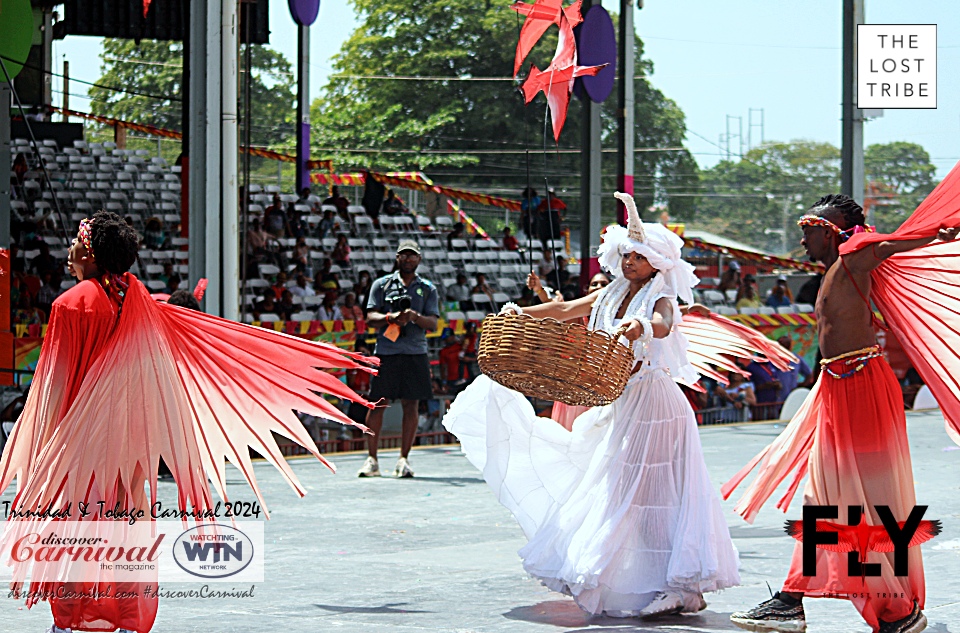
<point x="846" y="206"/>
<point x="115" y="243"/>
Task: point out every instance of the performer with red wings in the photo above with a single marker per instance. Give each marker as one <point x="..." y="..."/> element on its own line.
<point x="124" y="381"/>
<point x="850" y="435"/>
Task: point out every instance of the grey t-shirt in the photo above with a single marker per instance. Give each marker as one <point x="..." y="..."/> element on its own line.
<point x="423" y="300"/>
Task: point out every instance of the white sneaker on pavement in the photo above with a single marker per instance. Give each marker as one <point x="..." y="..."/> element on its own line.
<point x="371" y="468"/>
<point x="403" y="470"/>
<point x="665" y="603"/>
<point x="55" y="629"/>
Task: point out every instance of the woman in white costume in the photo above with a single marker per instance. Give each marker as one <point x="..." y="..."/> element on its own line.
<point x="620" y="513"/>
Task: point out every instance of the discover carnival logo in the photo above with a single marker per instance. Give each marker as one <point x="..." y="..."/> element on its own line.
<point x="210" y="553"/>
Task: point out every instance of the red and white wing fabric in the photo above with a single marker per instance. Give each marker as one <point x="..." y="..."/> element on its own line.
<point x="540" y="15"/>
<point x="715" y="341"/>
<point x="193" y="389"/>
<point x="918" y="293"/>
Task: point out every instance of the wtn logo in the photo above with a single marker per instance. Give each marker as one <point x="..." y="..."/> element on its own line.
<point x="216" y="551"/>
<point x="857" y="538"/>
<point x="194" y="551"/>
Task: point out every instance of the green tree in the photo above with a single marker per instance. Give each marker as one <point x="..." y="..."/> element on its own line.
<point x="155" y="68"/>
<point x="477" y="133"/>
<point x="899" y="176"/>
<point x="745" y="199"/>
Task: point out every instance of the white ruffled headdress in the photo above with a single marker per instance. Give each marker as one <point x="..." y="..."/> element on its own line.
<point x="657" y="243"/>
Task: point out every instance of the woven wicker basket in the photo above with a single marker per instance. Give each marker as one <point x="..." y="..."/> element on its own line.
<point x="547" y="359"/>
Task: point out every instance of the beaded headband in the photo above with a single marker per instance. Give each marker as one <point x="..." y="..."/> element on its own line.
<point x="816" y="220"/>
<point x="84" y="235"/>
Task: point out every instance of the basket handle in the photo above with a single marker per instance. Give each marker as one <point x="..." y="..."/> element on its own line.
<point x="621" y="331"/>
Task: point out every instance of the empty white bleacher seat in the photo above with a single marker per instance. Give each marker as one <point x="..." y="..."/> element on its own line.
<point x="476" y="315"/>
<point x="268" y="270"/>
<point x="747" y="310"/>
<point x="305" y="315"/>
<point x="713" y="296"/>
<point x="804" y="308"/>
<point x="727" y="310"/>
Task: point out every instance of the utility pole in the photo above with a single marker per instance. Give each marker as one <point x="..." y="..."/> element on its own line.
<point x="851" y="152"/>
<point x="66" y="91"/>
<point x="625" y="103"/>
<point x="303" y="106"/>
<point x="590" y="170"/>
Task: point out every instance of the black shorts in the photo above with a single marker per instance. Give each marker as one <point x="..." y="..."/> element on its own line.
<point x="402" y="377"/>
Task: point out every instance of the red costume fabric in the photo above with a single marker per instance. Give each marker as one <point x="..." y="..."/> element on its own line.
<point x="118" y="388"/>
<point x="850" y="433"/>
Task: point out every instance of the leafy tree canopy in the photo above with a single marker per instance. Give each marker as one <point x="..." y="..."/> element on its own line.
<point x="155" y="68"/>
<point x="476" y="132"/>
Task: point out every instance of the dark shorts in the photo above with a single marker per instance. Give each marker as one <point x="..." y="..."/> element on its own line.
<point x="402" y="377"/>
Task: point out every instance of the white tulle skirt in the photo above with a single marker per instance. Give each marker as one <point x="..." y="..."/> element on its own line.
<point x="615" y="510"/>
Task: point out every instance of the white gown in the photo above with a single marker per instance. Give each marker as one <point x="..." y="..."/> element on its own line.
<point x="617" y="509"/>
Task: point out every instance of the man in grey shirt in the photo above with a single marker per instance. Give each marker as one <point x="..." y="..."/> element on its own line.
<point x="403" y="307"/>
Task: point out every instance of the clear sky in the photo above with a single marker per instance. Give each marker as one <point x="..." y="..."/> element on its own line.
<point x="714" y="59"/>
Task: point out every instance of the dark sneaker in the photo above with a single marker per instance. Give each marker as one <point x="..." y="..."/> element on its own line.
<point x="913" y="623"/>
<point x="780" y="613"/>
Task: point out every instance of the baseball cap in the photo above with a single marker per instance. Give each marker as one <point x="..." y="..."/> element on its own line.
<point x="748" y="278"/>
<point x="408" y="245"/>
<point x="782" y="278"/>
<point x="735" y="265"/>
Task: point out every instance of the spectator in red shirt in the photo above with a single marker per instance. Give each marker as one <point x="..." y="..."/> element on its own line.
<point x="449" y="357"/>
<point x="510" y="243"/>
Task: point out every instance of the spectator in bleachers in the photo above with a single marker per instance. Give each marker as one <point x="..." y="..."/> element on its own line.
<point x="279" y="285"/>
<point x="153" y="235"/>
<point x="548" y="219"/>
<point x="449" y="357"/>
<point x="301" y="256"/>
<point x="19" y="169"/>
<point x="597" y="283"/>
<point x="562" y="274"/>
<point x="392" y="205"/>
<point x="730" y="280"/>
<point x="350" y="310"/>
<point x="304" y="198"/>
<point x="173" y="284"/>
<point x="546" y="265"/>
<point x="328" y="224"/>
<point x="482" y="287"/>
<point x="167" y="272"/>
<point x="303" y="288"/>
<point x="778" y="297"/>
<point x="790" y="379"/>
<point x="275" y="218"/>
<point x="529" y="203"/>
<point x="27" y="313"/>
<point x="510" y="243"/>
<point x="341" y="252"/>
<point x="362" y="289"/>
<point x="469" y="368"/>
<point x="339" y="202"/>
<point x="571" y="288"/>
<point x="185" y="299"/>
<point x="325" y="275"/>
<point x="267" y="306"/>
<point x="456" y="234"/>
<point x="329" y="310"/>
<point x="737" y="398"/>
<point x="44" y="262"/>
<point x="460" y="291"/>
<point x="782" y="282"/>
<point x="49" y="291"/>
<point x="296" y="222"/>
<point x="747" y="296"/>
<point x="286" y="307"/>
<point x="809" y="290"/>
<point x="765" y="379"/>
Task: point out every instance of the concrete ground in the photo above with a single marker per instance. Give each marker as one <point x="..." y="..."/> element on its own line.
<point x="438" y="553"/>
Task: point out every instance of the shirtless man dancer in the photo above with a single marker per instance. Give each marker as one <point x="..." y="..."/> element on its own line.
<point x="859" y="454"/>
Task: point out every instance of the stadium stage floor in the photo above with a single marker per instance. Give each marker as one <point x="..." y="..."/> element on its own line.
<point x="438" y="553"/>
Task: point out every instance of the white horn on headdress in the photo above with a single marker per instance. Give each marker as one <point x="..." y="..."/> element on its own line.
<point x="634" y="225"/>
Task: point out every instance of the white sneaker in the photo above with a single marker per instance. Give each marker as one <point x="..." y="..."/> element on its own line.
<point x="55" y="629"/>
<point x="403" y="470"/>
<point x="663" y="604"/>
<point x="371" y="468"/>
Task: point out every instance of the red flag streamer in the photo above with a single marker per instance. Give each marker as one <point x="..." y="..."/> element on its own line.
<point x="772" y="260"/>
